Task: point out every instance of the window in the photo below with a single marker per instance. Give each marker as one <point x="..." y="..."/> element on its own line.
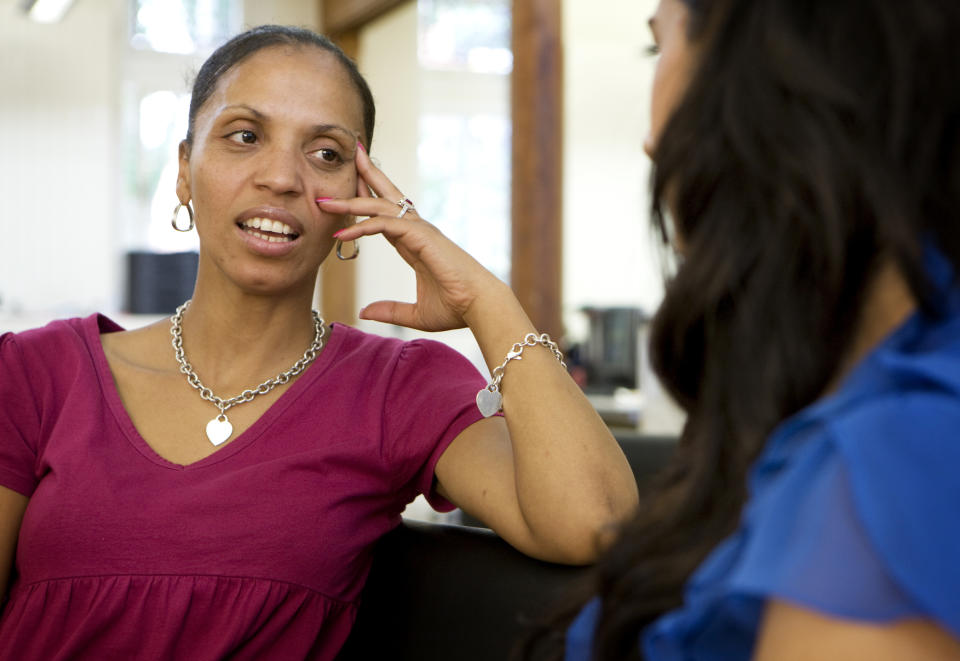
<point x="464" y="145"/>
<point x="465" y="35"/>
<point x="168" y="40"/>
<point x="465" y="174"/>
<point x="183" y="26"/>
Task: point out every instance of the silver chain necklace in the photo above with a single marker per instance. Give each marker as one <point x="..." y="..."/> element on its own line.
<point x="219" y="429"/>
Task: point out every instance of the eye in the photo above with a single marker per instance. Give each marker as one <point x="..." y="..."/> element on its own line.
<point x="652" y="50"/>
<point x="327" y="156"/>
<point x="246" y="136"/>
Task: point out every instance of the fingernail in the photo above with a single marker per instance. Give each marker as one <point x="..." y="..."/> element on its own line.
<point x="337" y="234"/>
<point x="322" y="199"/>
<point x="360" y="145"/>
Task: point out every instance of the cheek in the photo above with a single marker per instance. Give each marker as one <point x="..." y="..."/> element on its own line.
<point x="340" y="183"/>
<point x="669" y="84"/>
<point x="209" y="181"/>
<point x="661" y="101"/>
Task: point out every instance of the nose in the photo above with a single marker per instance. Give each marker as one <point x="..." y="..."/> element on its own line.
<point x="278" y="170"/>
<point x="648" y="145"/>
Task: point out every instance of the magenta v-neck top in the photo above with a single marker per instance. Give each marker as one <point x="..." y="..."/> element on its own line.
<point x="258" y="551"/>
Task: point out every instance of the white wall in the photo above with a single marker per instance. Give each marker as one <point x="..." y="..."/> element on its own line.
<point x="302" y="13"/>
<point x="388" y="59"/>
<point x="609" y="258"/>
<point x="58" y="251"/>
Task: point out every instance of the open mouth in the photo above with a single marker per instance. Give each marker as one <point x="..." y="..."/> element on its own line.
<point x="270" y="230"/>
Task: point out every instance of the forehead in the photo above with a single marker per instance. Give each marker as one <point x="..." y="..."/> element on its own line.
<point x="295" y="82"/>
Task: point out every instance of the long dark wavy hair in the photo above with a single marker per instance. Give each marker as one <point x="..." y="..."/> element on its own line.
<point x="817" y="141"/>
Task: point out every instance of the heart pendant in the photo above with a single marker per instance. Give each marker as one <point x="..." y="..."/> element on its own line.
<point x="489" y="402"/>
<point x="219" y="430"/>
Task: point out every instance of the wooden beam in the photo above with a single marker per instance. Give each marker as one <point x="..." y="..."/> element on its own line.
<point x="537" y="178"/>
<point x="340" y="16"/>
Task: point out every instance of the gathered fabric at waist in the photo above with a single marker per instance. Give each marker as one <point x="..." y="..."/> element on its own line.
<point x="195" y="617"/>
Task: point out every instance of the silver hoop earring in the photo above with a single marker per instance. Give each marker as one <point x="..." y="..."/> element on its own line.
<point x="176" y="214"/>
<point x="356" y="251"/>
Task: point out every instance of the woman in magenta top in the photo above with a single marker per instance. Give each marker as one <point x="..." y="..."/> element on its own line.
<point x="153" y="515"/>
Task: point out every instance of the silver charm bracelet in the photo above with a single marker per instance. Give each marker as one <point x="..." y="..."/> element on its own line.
<point x="489" y="399"/>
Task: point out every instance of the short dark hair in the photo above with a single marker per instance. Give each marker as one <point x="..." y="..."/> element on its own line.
<point x="256" y="39"/>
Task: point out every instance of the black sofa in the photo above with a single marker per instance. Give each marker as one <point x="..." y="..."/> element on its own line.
<point x="461" y="593"/>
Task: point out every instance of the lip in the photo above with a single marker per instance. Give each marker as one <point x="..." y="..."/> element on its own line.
<point x="267" y="248"/>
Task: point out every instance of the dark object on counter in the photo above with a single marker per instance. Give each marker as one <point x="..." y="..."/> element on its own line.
<point x="158" y="282"/>
<point x="610" y="354"/>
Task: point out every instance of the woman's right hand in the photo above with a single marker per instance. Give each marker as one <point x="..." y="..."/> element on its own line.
<point x="449" y="281"/>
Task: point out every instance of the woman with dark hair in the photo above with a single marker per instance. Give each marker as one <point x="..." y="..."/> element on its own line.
<point x="154" y="516"/>
<point x="809" y="156"/>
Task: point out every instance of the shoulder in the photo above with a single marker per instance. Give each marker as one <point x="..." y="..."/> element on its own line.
<point x="900" y="453"/>
<point x="907" y="434"/>
<point x="863" y="495"/>
<point x="44" y="364"/>
<point x="899" y="412"/>
<point x="55" y="341"/>
<point x="903" y="426"/>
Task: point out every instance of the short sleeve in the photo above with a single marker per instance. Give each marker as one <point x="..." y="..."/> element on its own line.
<point x="903" y="454"/>
<point x="19" y="421"/>
<point x="861" y="525"/>
<point x="821" y="557"/>
<point x="431" y="399"/>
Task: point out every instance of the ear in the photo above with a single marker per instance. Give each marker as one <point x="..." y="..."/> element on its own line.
<point x="183" y="172"/>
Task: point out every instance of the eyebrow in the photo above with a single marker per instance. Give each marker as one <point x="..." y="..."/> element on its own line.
<point x="316" y="128"/>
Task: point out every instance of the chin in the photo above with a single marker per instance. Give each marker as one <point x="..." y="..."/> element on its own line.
<point x="263" y="284"/>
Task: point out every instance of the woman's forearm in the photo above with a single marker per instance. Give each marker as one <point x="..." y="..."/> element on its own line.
<point x="572" y="479"/>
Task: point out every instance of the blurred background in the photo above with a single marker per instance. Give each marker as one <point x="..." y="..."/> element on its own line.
<point x="93" y="102"/>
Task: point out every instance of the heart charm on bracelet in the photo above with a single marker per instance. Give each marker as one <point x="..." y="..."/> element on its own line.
<point x="489" y="402"/>
<point x="219" y="430"/>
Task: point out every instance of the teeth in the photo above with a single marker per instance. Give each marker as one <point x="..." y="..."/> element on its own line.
<point x="268" y="225"/>
<point x="271" y="238"/>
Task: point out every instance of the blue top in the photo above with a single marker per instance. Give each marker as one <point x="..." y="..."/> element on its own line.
<point x="852" y="510"/>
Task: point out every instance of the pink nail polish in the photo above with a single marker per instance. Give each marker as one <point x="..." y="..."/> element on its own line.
<point x="360" y="145"/>
<point x="338" y="233"/>
<point x="322" y="199"/>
